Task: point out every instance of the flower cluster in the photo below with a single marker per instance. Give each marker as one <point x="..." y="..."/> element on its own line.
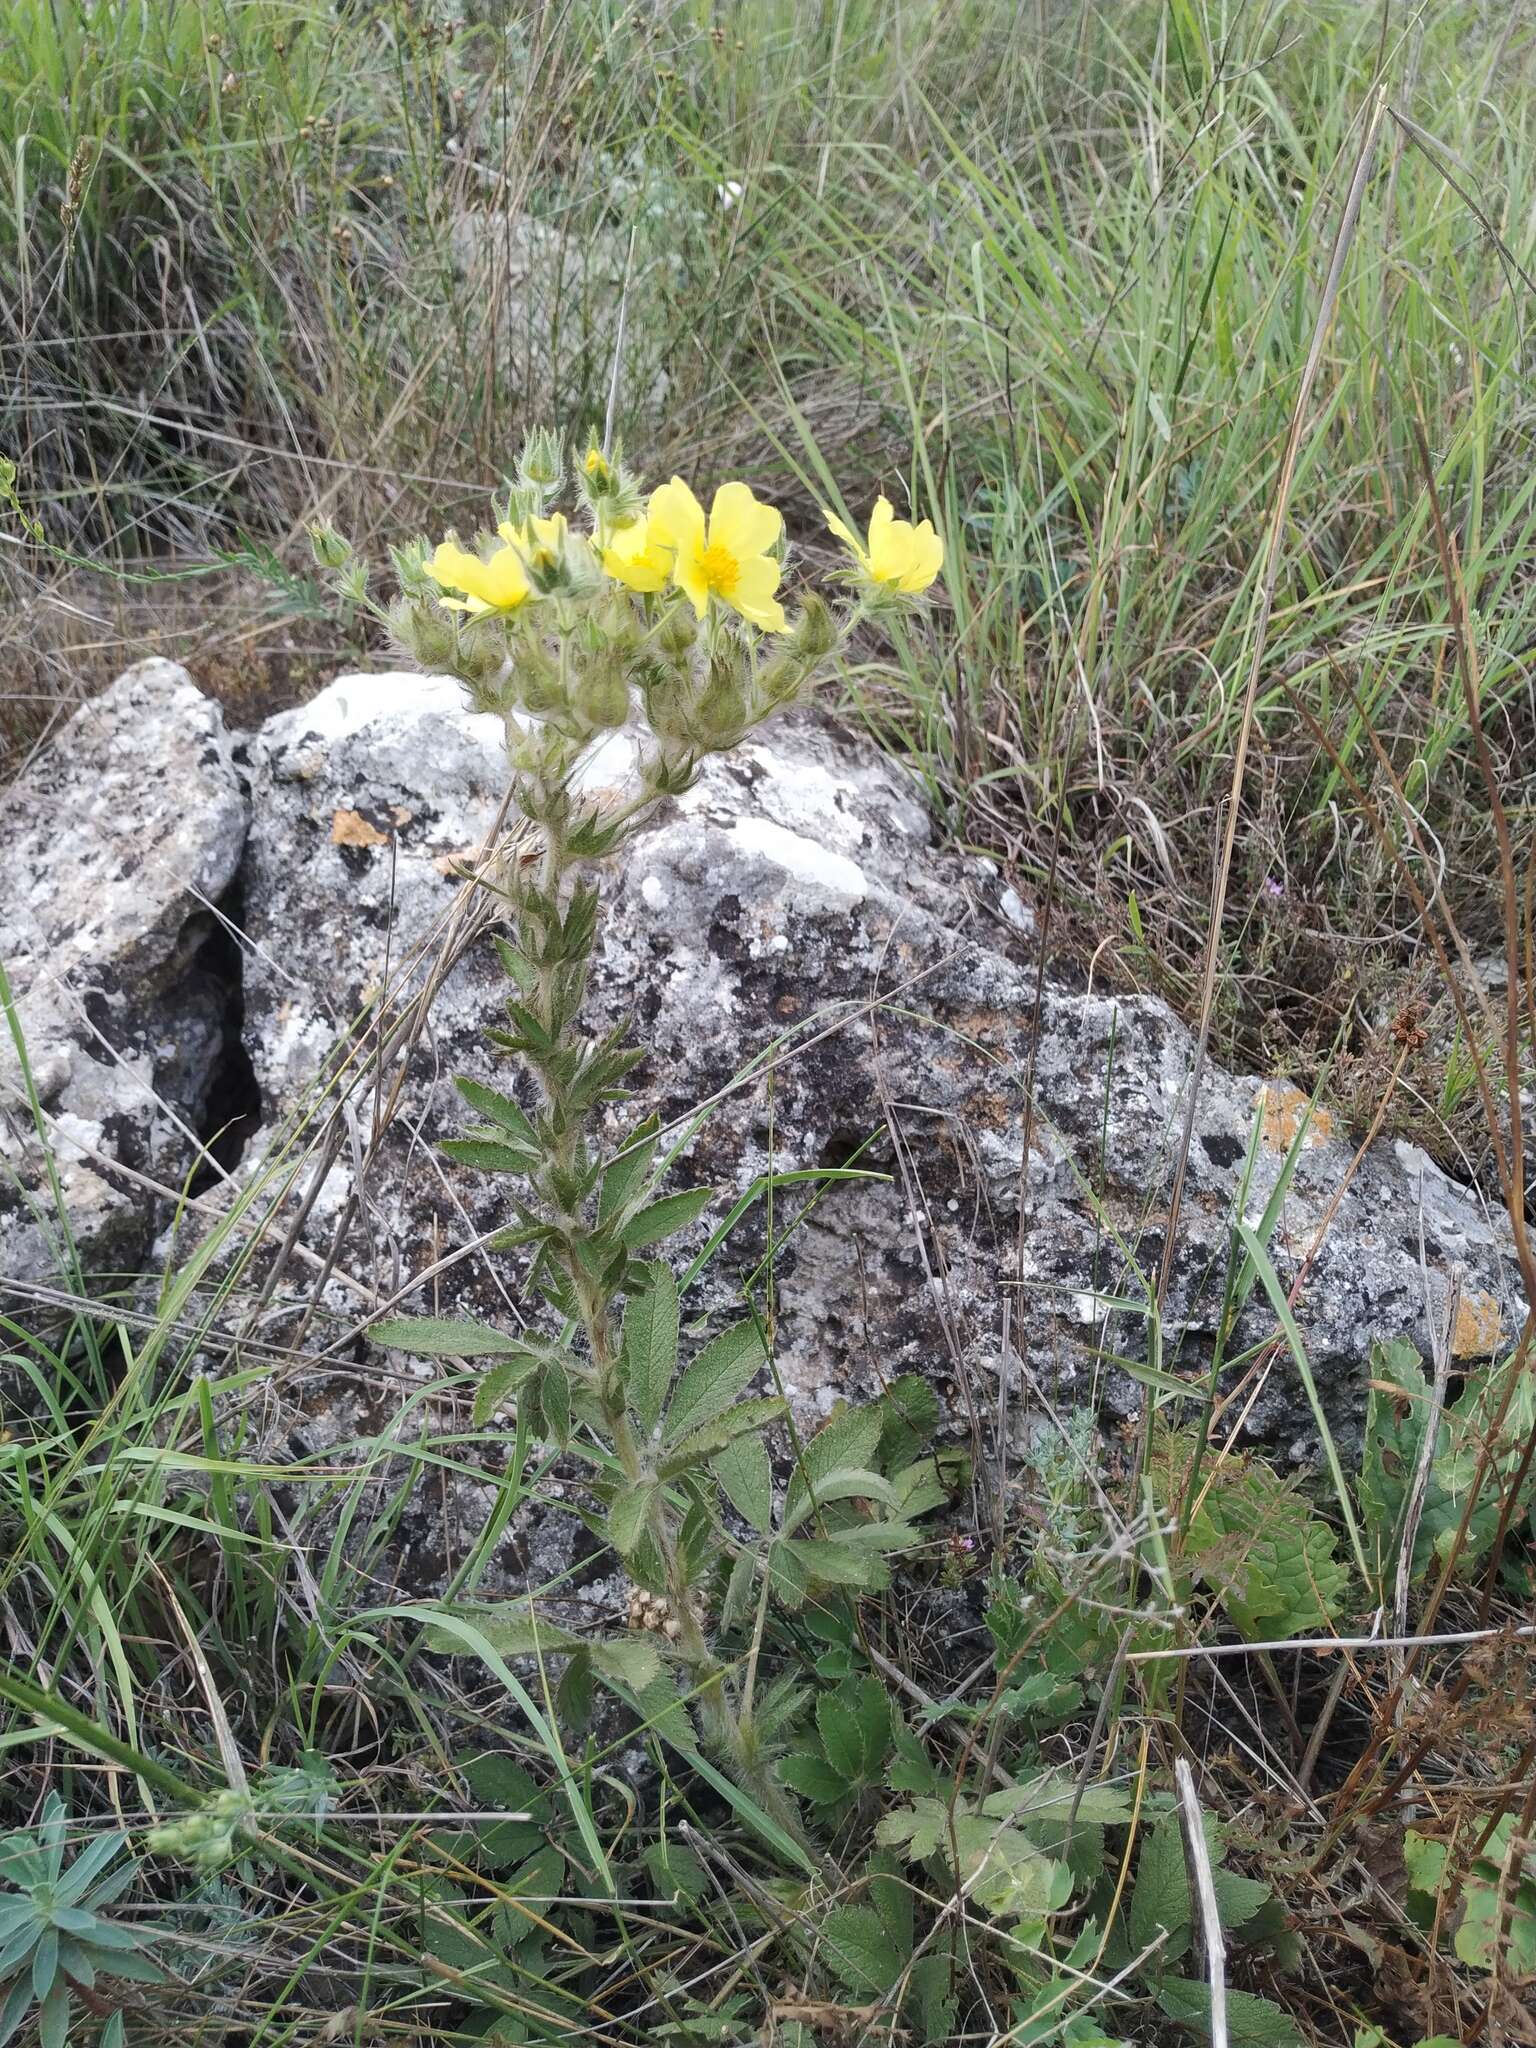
<point x="569" y="618"/>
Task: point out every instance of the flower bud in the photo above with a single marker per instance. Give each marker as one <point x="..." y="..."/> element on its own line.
<point x="720" y="715"/>
<point x="677" y="633"/>
<point x="542" y="463"/>
<point x="331" y="549"/>
<point x="602" y="694"/>
<point x="426" y="634"/>
<point x="536" y="679"/>
<point x="814" y="634"/>
<point x="666" y="694"/>
<point x="481" y="653"/>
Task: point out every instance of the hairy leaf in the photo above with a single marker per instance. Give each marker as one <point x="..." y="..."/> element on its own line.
<point x="855" y="1728"/>
<point x="629" y="1516"/>
<point x="722" y="1371"/>
<point x="746" y="1479"/>
<point x="860" y="1950"/>
<point x="650" y="1346"/>
<point x="501" y="1381"/>
<point x="498" y="1109"/>
<point x="808" y="1772"/>
<point x="662" y="1219"/>
<point x="489" y="1155"/>
<point x="439" y="1337"/>
<point x="1252" y="2022"/>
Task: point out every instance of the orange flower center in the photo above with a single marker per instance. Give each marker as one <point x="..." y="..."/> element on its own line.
<point x="720" y="569"/>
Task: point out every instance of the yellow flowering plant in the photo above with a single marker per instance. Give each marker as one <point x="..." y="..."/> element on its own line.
<point x="622" y="609"/>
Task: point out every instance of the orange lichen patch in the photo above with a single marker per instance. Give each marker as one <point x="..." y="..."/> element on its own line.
<point x="993" y="1110"/>
<point x="1285" y="1111"/>
<point x="351" y="828"/>
<point x="1479" y="1327"/>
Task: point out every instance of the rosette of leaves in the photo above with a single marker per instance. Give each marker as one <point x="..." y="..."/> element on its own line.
<point x="56" y="1938"/>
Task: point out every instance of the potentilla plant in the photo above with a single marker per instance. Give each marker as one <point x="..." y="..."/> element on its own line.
<point x="570" y="618"/>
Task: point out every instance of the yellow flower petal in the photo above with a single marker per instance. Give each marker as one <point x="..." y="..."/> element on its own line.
<point x="753" y="594"/>
<point x="927" y="557"/>
<point x="847" y="536"/>
<point x="635" y="558"/>
<point x="495" y="584"/>
<point x="675" y="515"/>
<point x="741" y="523"/>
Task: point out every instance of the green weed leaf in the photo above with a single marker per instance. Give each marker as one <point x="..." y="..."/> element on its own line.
<point x="438" y="1337"/>
<point x="650" y="1346"/>
<point x="723" y="1370"/>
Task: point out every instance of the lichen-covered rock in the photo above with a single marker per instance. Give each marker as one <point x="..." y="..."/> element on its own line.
<point x="796" y="954"/>
<point x="115" y="847"/>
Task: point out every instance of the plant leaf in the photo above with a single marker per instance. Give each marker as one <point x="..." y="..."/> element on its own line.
<point x="498" y="1109"/>
<point x="742" y="1420"/>
<point x="807" y="1772"/>
<point x="855" y="1728"/>
<point x="489" y="1155"/>
<point x="1251" y="2022"/>
<point x="440" y="1337"/>
<point x="724" y="1369"/>
<point x="746" y="1478"/>
<point x="662" y="1219"/>
<point x="629" y="1516"/>
<point x="650" y="1346"/>
<point x="860" y="1950"/>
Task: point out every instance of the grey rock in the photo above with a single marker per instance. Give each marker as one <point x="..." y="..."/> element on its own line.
<point x="115" y="848"/>
<point x="794" y="949"/>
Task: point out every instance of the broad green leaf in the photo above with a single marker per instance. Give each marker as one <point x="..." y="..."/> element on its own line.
<point x="501" y="1381"/>
<point x="920" y="1487"/>
<point x="1498" y="1898"/>
<point x="676" y="1871"/>
<point x="909" y="1415"/>
<point x="931" y="1999"/>
<point x="891" y="1896"/>
<point x="746" y="1479"/>
<point x="860" y="1951"/>
<point x="855" y="1728"/>
<point x="1238" y="1898"/>
<point x="498" y="1109"/>
<point x="1252" y="2022"/>
<point x="626" y="1660"/>
<point x="746" y="1418"/>
<point x="921" y="1829"/>
<point x="662" y="1219"/>
<point x="824" y="1562"/>
<point x="850" y="1437"/>
<point x="723" y="1370"/>
<point x="650" y="1346"/>
<point x="738" y="1590"/>
<point x="624" y="1180"/>
<point x="439" y="1337"/>
<point x="629" y="1516"/>
<point x="846" y="1483"/>
<point x="489" y="1155"/>
<point x="512" y="1629"/>
<point x="573" y="1695"/>
<point x="808" y="1772"/>
<point x="1160" y="1902"/>
<point x="555" y="1400"/>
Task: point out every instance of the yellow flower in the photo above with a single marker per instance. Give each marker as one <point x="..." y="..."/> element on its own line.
<point x="899" y="556"/>
<point x="541" y="542"/>
<point x="724" y="556"/>
<point x="496" y="582"/>
<point x="636" y="558"/>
